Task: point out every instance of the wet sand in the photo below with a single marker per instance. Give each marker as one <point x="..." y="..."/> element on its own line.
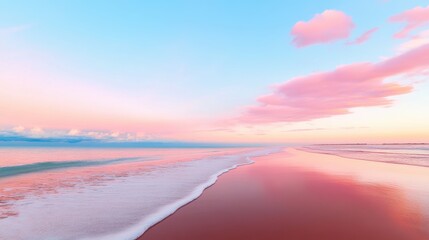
<point x="299" y="195"/>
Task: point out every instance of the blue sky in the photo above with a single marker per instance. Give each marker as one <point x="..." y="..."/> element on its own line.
<point x="207" y="58"/>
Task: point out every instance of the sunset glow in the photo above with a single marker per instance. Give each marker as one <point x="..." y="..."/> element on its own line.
<point x="208" y="120"/>
<point x="262" y="89"/>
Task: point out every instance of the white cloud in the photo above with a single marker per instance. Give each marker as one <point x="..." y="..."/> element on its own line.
<point x="73" y="132"/>
<point x="18" y="129"/>
<point x="37" y="131"/>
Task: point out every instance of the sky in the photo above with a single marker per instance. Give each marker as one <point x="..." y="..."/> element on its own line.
<point x="216" y="71"/>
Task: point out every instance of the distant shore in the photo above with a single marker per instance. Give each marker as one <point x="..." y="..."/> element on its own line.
<point x="301" y="195"/>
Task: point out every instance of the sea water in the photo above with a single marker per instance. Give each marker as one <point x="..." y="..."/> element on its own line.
<point x="78" y="193"/>
<point x="409" y="154"/>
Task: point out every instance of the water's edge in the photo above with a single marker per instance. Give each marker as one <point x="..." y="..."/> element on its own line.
<point x="140" y="228"/>
<point x="360" y="158"/>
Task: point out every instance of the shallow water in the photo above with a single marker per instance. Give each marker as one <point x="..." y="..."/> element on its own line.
<point x="50" y="193"/>
<point x="410" y="154"/>
<point x="306" y="196"/>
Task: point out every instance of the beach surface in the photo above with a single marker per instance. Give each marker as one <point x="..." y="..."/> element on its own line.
<point x="301" y="195"/>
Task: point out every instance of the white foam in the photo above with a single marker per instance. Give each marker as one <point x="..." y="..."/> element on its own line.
<point x="141" y="227"/>
<point x="122" y="208"/>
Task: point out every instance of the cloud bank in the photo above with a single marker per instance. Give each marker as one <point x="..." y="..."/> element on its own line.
<point x="37" y="134"/>
<point x="335" y="92"/>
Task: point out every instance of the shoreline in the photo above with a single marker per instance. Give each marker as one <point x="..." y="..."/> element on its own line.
<point x="283" y="195"/>
<point x="351" y="156"/>
<point x="169" y="210"/>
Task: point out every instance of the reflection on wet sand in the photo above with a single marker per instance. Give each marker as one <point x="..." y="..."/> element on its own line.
<point x="299" y="195"/>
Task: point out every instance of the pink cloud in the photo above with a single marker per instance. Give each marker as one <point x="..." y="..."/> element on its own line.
<point x="333" y="93"/>
<point x="364" y="37"/>
<point x="413" y="18"/>
<point x="418" y="40"/>
<point x="325" y="27"/>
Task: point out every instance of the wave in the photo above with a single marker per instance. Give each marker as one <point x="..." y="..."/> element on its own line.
<point x="121" y="208"/>
<point x="140" y="228"/>
<point x="10" y="171"/>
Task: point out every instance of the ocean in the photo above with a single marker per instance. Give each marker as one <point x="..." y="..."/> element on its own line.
<point x="410" y="154"/>
<point x="103" y="193"/>
<point x="118" y="193"/>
